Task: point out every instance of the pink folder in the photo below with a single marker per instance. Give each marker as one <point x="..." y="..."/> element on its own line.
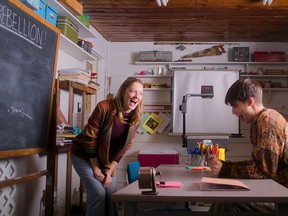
<point x="169" y="184"/>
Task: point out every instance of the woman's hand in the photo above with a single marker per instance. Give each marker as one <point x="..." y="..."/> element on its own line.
<point x="107" y="180"/>
<point x="99" y="175"/>
<point x="215" y="165"/>
<point x="96" y="170"/>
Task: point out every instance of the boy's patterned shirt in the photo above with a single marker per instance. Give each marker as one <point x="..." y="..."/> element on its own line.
<point x="269" y="158"/>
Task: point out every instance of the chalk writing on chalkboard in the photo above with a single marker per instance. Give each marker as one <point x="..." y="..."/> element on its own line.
<point x="23" y="27"/>
<point x="27" y="70"/>
<point x="18" y="112"/>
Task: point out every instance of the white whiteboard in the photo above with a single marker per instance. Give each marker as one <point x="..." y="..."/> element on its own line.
<point x="204" y="116"/>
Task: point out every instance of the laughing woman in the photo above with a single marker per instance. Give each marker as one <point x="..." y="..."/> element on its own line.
<point x="109" y="133"/>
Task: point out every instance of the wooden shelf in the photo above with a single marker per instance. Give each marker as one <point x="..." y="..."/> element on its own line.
<point x="78" y="88"/>
<point x="211" y="63"/>
<point x="265" y="76"/>
<point x="160" y="92"/>
<point x="152" y="63"/>
<point x="153" y="76"/>
<point x="158" y="103"/>
<point x="157" y="89"/>
<point x="266" y="63"/>
<point x="275" y="89"/>
<point x="63" y="149"/>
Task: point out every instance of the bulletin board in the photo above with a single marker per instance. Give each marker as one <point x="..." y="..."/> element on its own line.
<point x="204" y="116"/>
<point x="28" y="57"/>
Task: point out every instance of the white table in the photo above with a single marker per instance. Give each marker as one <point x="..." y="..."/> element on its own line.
<point x="262" y="190"/>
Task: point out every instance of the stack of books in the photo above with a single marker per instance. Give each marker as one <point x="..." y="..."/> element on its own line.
<point x="75" y="74"/>
<point x="79" y="75"/>
<point x="93" y="81"/>
<point x="65" y="135"/>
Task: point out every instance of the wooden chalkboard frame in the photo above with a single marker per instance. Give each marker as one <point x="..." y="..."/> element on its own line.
<point x="54" y="36"/>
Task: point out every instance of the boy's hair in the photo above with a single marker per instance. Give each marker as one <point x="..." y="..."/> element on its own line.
<point x="242" y="89"/>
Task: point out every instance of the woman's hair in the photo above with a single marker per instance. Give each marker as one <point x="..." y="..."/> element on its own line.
<point x="242" y="89"/>
<point x="118" y="102"/>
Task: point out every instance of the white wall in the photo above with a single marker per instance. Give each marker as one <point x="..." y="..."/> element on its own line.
<point x="121" y="65"/>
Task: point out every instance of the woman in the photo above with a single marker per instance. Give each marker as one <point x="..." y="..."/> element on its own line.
<point x="107" y="136"/>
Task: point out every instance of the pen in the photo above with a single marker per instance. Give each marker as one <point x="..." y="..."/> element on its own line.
<point x="188" y="151"/>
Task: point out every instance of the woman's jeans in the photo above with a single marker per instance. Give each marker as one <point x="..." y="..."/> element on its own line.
<point x="99" y="201"/>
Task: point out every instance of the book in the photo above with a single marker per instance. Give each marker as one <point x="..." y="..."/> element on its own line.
<point x="74" y="71"/>
<point x="154" y="107"/>
<point x="79" y="75"/>
<point x="221" y="184"/>
<point x="144" y="118"/>
<point x="75" y="74"/>
<point x="169" y="127"/>
<point x="93" y="84"/>
<point x="78" y="80"/>
<point x="152" y="123"/>
<point x="165" y="123"/>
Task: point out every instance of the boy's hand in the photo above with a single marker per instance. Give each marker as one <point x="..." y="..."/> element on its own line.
<point x="215" y="165"/>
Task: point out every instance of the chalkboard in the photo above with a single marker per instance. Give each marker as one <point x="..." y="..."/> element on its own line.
<point x="204" y="116"/>
<point x="28" y="56"/>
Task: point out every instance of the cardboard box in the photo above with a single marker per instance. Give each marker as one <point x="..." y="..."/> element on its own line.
<point x="73" y="6"/>
<point x="154" y="158"/>
<point x="68" y="28"/>
<point x="269" y="57"/>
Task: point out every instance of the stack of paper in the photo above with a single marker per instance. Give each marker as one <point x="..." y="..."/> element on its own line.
<point x="169" y="184"/>
<point x="222" y="184"/>
<point x="75" y="74"/>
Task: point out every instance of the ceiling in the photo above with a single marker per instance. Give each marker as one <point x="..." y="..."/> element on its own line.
<point x="189" y="20"/>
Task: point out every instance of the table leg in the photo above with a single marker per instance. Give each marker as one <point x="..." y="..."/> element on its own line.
<point x="282" y="209"/>
<point x="130" y="208"/>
